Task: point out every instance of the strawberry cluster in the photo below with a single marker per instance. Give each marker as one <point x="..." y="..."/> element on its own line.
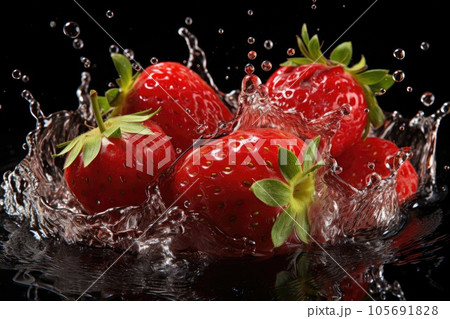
<point x="254" y="182"/>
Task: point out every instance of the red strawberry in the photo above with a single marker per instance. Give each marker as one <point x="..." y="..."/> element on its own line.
<point x="105" y="167"/>
<point x="371" y="155"/>
<point x="189" y="107"/>
<point x="314" y="85"/>
<point x="246" y="185"/>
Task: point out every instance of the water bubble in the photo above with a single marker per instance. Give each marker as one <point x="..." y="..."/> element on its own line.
<point x="52" y="24"/>
<point x="178" y="150"/>
<point x="371" y="166"/>
<point x="266" y="65"/>
<point x="27" y="95"/>
<point x="251" y="40"/>
<point x="290" y="51"/>
<point x="399" y="54"/>
<point x="109" y="14"/>
<point x="188" y="20"/>
<point x="136" y="66"/>
<point x="111" y="85"/>
<point x="129" y="54"/>
<point x="250" y="12"/>
<point x="227" y="77"/>
<point x="78" y="44"/>
<point x="366" y="110"/>
<point x="409" y="89"/>
<point x="86" y="62"/>
<point x="398" y="76"/>
<point x="250" y="84"/>
<point x="71" y="29"/>
<point x="113" y="49"/>
<point x="424" y="46"/>
<point x="154" y="60"/>
<point x="338" y="169"/>
<point x="249" y="68"/>
<point x="221" y="31"/>
<point x="427" y="98"/>
<point x="313" y="6"/>
<point x="401" y="128"/>
<point x="25" y="78"/>
<point x="380" y="92"/>
<point x="268" y="44"/>
<point x="186" y="204"/>
<point x="252" y="55"/>
<point x="16" y="74"/>
<point x="447" y="167"/>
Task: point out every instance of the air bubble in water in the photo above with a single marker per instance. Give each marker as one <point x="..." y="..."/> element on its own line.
<point x="52" y="24"/>
<point x="409" y="89"/>
<point x="188" y="20"/>
<point x="249" y="68"/>
<point x="16" y="74"/>
<point x="86" y="62"/>
<point x="25" y="78"/>
<point x="78" y="44"/>
<point x="424" y="46"/>
<point x="71" y="29"/>
<point x="154" y="60"/>
<point x="129" y="54"/>
<point x="399" y="54"/>
<point x="398" y="76"/>
<point x="251" y="40"/>
<point x="109" y="14"/>
<point x="427" y="98"/>
<point x="268" y="44"/>
<point x="290" y="51"/>
<point x="221" y="31"/>
<point x="313" y="6"/>
<point x="252" y="55"/>
<point x="113" y="49"/>
<point x="266" y="65"/>
<point x="250" y="12"/>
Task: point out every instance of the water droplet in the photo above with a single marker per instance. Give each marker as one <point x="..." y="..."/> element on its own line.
<point x="338" y="169"/>
<point x="366" y="110"/>
<point x="227" y="77"/>
<point x="409" y="89"/>
<point x="399" y="54"/>
<point x="398" y="76"/>
<point x="251" y="40"/>
<point x="250" y="12"/>
<point x="249" y="68"/>
<point x="313" y="6"/>
<point x="111" y="85"/>
<point x="129" y="54"/>
<point x="52" y="24"/>
<point x="188" y="20"/>
<point x="136" y="66"/>
<point x="374" y="180"/>
<point x="113" y="49"/>
<point x="188" y="111"/>
<point x="447" y="167"/>
<point x="78" y="44"/>
<point x="186" y="204"/>
<point x="221" y="31"/>
<point x="371" y="166"/>
<point x="427" y="98"/>
<point x="290" y="51"/>
<point x="16" y="74"/>
<point x="178" y="150"/>
<point x="250" y="84"/>
<point x="154" y="60"/>
<point x="201" y="128"/>
<point x="266" y="65"/>
<point x="401" y="128"/>
<point x="86" y="62"/>
<point x="27" y="95"/>
<point x="424" y="46"/>
<point x="252" y="55"/>
<point x="71" y="29"/>
<point x="109" y="14"/>
<point x="268" y="44"/>
<point x="381" y="91"/>
<point x="25" y="78"/>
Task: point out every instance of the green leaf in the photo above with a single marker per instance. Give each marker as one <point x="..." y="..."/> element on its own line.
<point x="360" y="66"/>
<point x="103" y="103"/>
<point x="69" y="145"/>
<point x="303" y="48"/>
<point x="376" y="115"/>
<point x="125" y="70"/>
<point x="371" y="76"/>
<point x="342" y="53"/>
<point x="310" y="154"/>
<point x="282" y="228"/>
<point x="139" y="117"/>
<point x="386" y="84"/>
<point x="297" y="61"/>
<point x="314" y="48"/>
<point x="301" y="224"/>
<point x="136" y="128"/>
<point x="112" y="94"/>
<point x="288" y="63"/>
<point x="91" y="148"/>
<point x="272" y="192"/>
<point x="305" y="35"/>
<point x="113" y="132"/>
<point x="288" y="163"/>
<point x="74" y="152"/>
<point x="315" y="167"/>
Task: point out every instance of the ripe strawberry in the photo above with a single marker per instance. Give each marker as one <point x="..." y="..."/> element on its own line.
<point x="314" y="85"/>
<point x="371" y="155"/>
<point x="189" y="107"/>
<point x="246" y="185"/>
<point x="104" y="167"/>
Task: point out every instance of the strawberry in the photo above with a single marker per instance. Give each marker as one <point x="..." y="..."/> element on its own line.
<point x="189" y="107"/>
<point x="247" y="185"/>
<point x="372" y="155"/>
<point x="314" y="86"/>
<point x="104" y="170"/>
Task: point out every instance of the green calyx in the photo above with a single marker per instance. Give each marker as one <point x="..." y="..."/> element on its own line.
<point x="90" y="142"/>
<point x="295" y="196"/>
<point x="372" y="82"/>
<point x="115" y="96"/>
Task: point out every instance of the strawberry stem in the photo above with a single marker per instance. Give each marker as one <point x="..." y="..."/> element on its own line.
<point x="96" y="109"/>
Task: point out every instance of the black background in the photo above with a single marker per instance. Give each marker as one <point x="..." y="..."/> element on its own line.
<point x="47" y="56"/>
